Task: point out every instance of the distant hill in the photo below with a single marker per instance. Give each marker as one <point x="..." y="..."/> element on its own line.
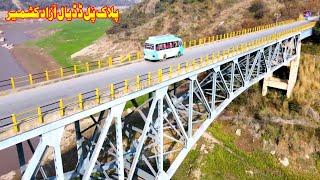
<point x="8" y="5"/>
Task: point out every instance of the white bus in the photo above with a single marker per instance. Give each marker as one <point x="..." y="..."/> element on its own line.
<point x="162" y="47"/>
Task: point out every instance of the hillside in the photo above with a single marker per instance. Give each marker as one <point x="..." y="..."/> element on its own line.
<point x="9" y="5"/>
<point x="189" y="19"/>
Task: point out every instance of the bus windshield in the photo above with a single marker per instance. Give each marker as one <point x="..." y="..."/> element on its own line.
<point x="149" y="46"/>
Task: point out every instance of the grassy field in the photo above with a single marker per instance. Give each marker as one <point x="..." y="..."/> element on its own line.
<point x="229" y="162"/>
<point x="140" y="100"/>
<point x="70" y="38"/>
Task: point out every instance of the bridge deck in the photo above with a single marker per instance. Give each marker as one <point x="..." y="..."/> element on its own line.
<point x="42" y="95"/>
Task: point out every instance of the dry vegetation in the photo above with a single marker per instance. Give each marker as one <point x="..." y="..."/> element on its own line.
<point x="189" y="19"/>
<point x="304" y="103"/>
<point x="307" y="90"/>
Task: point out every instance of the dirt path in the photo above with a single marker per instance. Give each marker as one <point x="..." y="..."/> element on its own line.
<point x="33" y="59"/>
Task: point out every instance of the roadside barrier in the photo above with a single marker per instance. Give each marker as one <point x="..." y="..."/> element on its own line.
<point x="63" y="72"/>
<point x="214" y="38"/>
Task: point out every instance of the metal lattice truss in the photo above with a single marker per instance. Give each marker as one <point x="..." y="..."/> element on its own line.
<point x="152" y="141"/>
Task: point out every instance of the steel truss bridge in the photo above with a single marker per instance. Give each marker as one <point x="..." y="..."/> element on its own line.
<point x="152" y="140"/>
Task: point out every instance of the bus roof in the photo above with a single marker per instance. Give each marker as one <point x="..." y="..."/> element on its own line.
<point x="162" y="39"/>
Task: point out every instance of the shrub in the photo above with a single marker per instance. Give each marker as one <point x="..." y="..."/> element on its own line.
<point x="160" y="7"/>
<point x="158" y="23"/>
<point x="191" y="1"/>
<point x="221" y="30"/>
<point x="257" y="8"/>
<point x="317" y="31"/>
<point x="317" y="134"/>
<point x="294" y="106"/>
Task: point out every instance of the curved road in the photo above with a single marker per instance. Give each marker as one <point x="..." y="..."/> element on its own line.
<point x="17" y="102"/>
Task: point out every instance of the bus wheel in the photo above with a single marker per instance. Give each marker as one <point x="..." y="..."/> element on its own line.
<point x="164" y="58"/>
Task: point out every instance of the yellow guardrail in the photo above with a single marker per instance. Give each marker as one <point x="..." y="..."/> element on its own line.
<point x="56" y="74"/>
<point x="71" y="105"/>
<point x="211" y="39"/>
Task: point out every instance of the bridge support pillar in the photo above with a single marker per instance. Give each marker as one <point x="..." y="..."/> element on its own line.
<point x="284" y="84"/>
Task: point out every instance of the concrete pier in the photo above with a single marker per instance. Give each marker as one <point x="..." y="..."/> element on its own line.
<point x="284" y="84"/>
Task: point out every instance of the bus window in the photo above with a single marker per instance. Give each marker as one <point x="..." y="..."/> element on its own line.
<point x="168" y="45"/>
<point x="159" y="47"/>
<point x="175" y="44"/>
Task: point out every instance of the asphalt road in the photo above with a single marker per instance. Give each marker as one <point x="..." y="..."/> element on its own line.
<point x="43" y="95"/>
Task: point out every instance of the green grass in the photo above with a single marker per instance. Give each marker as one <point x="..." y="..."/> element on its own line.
<point x="187" y="165"/>
<point x="70" y="38"/>
<point x="140" y="100"/>
<point x="229" y="162"/>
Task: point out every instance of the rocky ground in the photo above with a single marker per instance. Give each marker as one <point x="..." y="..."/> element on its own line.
<point x="239" y="148"/>
<point x="33" y="59"/>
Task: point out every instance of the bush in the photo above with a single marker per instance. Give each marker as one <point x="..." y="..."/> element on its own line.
<point x="317" y="31"/>
<point x="221" y="30"/>
<point x="257" y="8"/>
<point x="191" y="1"/>
<point x="294" y="106"/>
<point x="160" y="7"/>
<point x="317" y="134"/>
